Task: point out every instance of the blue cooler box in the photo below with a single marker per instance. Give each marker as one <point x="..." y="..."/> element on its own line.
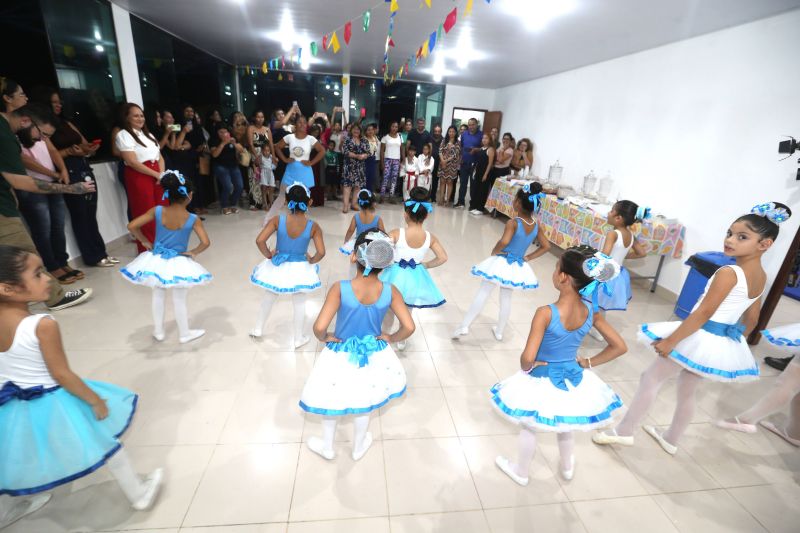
<point x="703" y="264"/>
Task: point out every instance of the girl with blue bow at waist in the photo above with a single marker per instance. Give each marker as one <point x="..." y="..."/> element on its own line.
<point x="288" y="269"/>
<point x="409" y="273"/>
<point x="168" y="263"/>
<point x="711" y="342"/>
<point x="357" y="372"/>
<point x="508" y="266"/>
<point x="555" y="391"/>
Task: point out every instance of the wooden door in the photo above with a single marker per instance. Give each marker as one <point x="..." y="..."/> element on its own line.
<point x="492" y="119"/>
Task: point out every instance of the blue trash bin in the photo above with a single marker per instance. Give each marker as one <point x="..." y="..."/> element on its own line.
<point x="703" y="264"/>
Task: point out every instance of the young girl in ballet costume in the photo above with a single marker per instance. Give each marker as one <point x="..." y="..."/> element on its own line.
<point x="167" y="263"/>
<point x="622" y="216"/>
<point x="288" y="269"/>
<point x="409" y="273"/>
<point x="710" y="343"/>
<point x="555" y="391"/>
<point x="357" y="371"/>
<point x="508" y="266"/>
<point x="54" y="426"/>
<point x="366" y="218"/>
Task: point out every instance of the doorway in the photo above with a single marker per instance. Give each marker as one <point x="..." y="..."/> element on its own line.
<point x="397" y="103"/>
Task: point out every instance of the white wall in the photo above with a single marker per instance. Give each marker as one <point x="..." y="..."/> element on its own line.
<point x="470" y="97"/>
<point x="690" y="129"/>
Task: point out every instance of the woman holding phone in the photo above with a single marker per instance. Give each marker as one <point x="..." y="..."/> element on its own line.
<point x="76" y="151"/>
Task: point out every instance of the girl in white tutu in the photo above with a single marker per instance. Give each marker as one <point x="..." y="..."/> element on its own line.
<point x="288" y="269"/>
<point x="711" y="342"/>
<point x="409" y="273"/>
<point x="508" y="266"/>
<point x="365" y="219"/>
<point x="54" y="426"/>
<point x="168" y="264"/>
<point x="621" y="244"/>
<point x="357" y="371"/>
<point x="785" y="391"/>
<point x="555" y="391"/>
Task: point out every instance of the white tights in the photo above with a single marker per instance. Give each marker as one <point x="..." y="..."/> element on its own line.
<point x="527" y="449"/>
<point x="479" y="302"/>
<point x="786" y="390"/>
<point x="360" y="425"/>
<point x="128" y="480"/>
<point x="652" y="379"/>
<point x="299" y="302"/>
<point x="179" y="295"/>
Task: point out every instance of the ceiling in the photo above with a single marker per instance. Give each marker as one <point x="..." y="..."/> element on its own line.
<point x="502" y="43"/>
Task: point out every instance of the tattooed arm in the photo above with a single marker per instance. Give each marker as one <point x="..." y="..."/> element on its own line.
<point x="27" y="183"/>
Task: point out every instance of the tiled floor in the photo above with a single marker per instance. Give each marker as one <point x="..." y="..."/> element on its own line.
<point x="221" y="415"/>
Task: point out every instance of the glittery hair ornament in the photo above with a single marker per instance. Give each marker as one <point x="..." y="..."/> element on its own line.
<point x="602" y="269"/>
<point x="376" y="252"/>
<point x="364" y="202"/>
<point x="771" y="212"/>
<point x="182" y="189"/>
<point x="293" y="205"/>
<point x="534" y="198"/>
<point x="642" y="213"/>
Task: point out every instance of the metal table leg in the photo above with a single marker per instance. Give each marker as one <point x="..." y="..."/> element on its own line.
<point x="658" y="273"/>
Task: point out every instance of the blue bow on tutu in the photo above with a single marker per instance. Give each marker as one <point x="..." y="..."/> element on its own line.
<point x="292" y="205"/>
<point x="163" y="251"/>
<point x="279" y="259"/>
<point x="732" y="331"/>
<point x="560" y="373"/>
<point x="511" y="259"/>
<point x="359" y="348"/>
<point x="427" y="205"/>
<point x="12" y="391"/>
<point x="407" y="264"/>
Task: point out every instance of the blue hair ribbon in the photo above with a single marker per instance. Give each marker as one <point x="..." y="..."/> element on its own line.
<point x="642" y="213"/>
<point x="183" y="190"/>
<point x="292" y="205"/>
<point x="535" y="199"/>
<point x="427" y="205"/>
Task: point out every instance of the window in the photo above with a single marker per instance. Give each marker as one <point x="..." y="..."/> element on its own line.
<point x="155" y="59"/>
<point x="84" y="49"/>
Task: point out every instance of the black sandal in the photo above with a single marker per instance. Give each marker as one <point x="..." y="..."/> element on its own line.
<point x="67" y="279"/>
<point x="77" y="274"/>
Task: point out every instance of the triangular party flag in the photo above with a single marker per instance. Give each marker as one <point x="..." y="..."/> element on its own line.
<point x="314" y="48"/>
<point x="280" y="77"/>
<point x="391" y="42"/>
<point x="365" y="24"/>
<point x="324" y="42"/>
<point x="439" y="32"/>
<point x="428" y="3"/>
<point x="419" y="53"/>
<point x="450" y="20"/>
<point x="468" y="8"/>
<point x="406" y="67"/>
<point x="393" y="6"/>
<point x="344" y="80"/>
<point x="335" y="43"/>
<point x="424" y="49"/>
<point x="299" y="52"/>
<point x="348" y="31"/>
<point x="290" y="77"/>
<point x="264" y="68"/>
<point x="432" y="41"/>
<point x="400" y="73"/>
<point x="283" y="62"/>
<point x="247" y="70"/>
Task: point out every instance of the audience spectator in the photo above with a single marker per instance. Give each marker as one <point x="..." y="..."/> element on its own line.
<point x="262" y="178"/>
<point x="371" y="164"/>
<point x="356" y="151"/>
<point x="470" y="146"/>
<point x="419" y="137"/>
<point x="450" y="163"/>
<point x="523" y="155"/>
<point x="436" y="145"/>
<point x="225" y="150"/>
<point x="479" y="190"/>
<point x="392" y="152"/>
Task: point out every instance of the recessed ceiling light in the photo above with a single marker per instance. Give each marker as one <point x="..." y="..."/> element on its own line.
<point x="97" y="35"/>
<point x="335" y="93"/>
<point x="328" y="86"/>
<point x="537" y="14"/>
<point x="99" y="47"/>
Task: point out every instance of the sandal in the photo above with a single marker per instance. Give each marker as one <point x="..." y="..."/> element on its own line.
<point x="77" y="274"/>
<point x="66" y="279"/>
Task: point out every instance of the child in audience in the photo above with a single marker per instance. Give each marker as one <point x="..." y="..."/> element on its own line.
<point x="409" y="171"/>
<point x="425" y="164"/>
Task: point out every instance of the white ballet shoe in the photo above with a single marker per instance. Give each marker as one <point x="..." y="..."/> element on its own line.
<point x="497" y="335"/>
<point x="158" y="335"/>
<point x="569" y="472"/>
<point x="255" y="333"/>
<point x="781" y="432"/>
<point x="401" y="346"/>
<point x="666" y="446"/>
<point x="508" y="469"/>
<point x="192" y="335"/>
<point x="460" y="332"/>
<point x="603" y="437"/>
<point x="22" y="507"/>
<point x="317" y="445"/>
<point x="152" y="486"/>
<point x="736" y="425"/>
<point x="302" y="341"/>
<point x="362" y="450"/>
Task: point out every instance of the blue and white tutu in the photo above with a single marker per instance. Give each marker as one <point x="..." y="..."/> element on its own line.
<point x="787" y="336"/>
<point x="535" y="401"/>
<point x="714" y="357"/>
<point x="353" y="378"/>
<point x="506" y="271"/>
<point x="287" y="276"/>
<point x="155" y="270"/>
<point x="620" y="290"/>
<point x="52" y="437"/>
<point x="415" y="284"/>
<point x="347" y="248"/>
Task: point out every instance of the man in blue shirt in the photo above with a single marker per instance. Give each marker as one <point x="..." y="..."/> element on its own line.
<point x="470" y="145"/>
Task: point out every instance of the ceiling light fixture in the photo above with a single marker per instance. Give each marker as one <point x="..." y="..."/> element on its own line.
<point x="335" y="93"/>
<point x="537" y="14"/>
<point x="99" y="47"/>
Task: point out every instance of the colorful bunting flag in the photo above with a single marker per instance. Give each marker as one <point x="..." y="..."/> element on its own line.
<point x="283" y="62"/>
<point x="432" y="41"/>
<point x="348" y="31"/>
<point x="366" y="18"/>
<point x="468" y="8"/>
<point x="344" y="80"/>
<point x="424" y="49"/>
<point x="393" y="6"/>
<point x="439" y="32"/>
<point x="247" y="70"/>
<point x="324" y="42"/>
<point x="450" y="20"/>
<point x="335" y="43"/>
<point x="314" y="48"/>
<point x="264" y="68"/>
<point x="428" y="3"/>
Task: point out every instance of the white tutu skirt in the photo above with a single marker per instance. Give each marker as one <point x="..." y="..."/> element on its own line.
<point x="536" y="403"/>
<point x="787" y="336"/>
<point x="53" y="439"/>
<point x="711" y="356"/>
<point x="154" y="271"/>
<point x="347" y="248"/>
<point x="338" y="386"/>
<point x="288" y="277"/>
<point x="499" y="271"/>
